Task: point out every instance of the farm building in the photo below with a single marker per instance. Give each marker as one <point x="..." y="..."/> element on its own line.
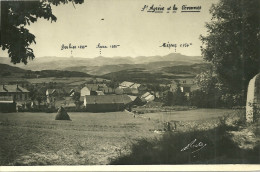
<point x="7" y="104"/>
<point x="17" y="92"/>
<point x="148" y="97"/>
<point x="106" y="103"/>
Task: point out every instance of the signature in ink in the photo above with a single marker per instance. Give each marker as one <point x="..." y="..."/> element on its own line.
<point x="194" y="145"/>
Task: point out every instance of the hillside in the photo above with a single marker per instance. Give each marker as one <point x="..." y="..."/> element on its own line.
<point x="139" y="69"/>
<point x="107" y="64"/>
<point x="7" y="70"/>
<point x="157" y="75"/>
<point x="106" y="69"/>
<point x="11" y="71"/>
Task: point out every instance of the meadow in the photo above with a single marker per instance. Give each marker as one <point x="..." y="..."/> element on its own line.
<point x="89" y="138"/>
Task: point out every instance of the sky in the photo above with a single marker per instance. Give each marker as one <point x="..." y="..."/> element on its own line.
<point x="121" y="22"/>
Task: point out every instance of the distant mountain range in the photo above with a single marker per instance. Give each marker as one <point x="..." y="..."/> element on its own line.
<point x="105" y="65"/>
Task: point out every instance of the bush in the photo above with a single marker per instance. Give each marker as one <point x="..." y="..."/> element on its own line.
<point x="231" y="100"/>
<point x="202" y="99"/>
<point x="175" y="98"/>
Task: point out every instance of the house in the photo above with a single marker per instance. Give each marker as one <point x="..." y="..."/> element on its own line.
<point x="17" y="92"/>
<point x="51" y="92"/>
<point x="148" y="97"/>
<point x="7" y="104"/>
<point x="56" y="95"/>
<point x="126" y="84"/>
<point x="90" y="89"/>
<point x="157" y="94"/>
<point x="145" y="95"/>
<point x="186" y="86"/>
<point x="136" y="86"/>
<point x="106" y="103"/>
<point x="107" y="90"/>
<point x="86" y="91"/>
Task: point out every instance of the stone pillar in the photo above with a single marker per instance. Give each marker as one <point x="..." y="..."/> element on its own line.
<point x="253" y="99"/>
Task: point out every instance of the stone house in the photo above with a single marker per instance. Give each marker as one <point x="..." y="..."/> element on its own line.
<point x="17" y="92"/>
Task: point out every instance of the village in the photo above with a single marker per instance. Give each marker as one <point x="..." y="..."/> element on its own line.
<point x="90" y="97"/>
<point x="129" y="83"/>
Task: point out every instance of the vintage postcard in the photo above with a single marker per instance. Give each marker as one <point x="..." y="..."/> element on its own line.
<point x="130" y="82"/>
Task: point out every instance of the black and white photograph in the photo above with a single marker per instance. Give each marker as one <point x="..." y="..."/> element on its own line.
<point x="129" y="82"/>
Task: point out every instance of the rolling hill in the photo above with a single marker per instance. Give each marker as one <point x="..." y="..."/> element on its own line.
<point x="11" y="71"/>
<point x="107" y="64"/>
<point x="139" y="69"/>
<point x="158" y="75"/>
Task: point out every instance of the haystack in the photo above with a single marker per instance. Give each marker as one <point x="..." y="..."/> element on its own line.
<point x="62" y="114"/>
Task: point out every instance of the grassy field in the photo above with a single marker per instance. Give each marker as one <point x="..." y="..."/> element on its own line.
<point x="188" y="115"/>
<point x="90" y="138"/>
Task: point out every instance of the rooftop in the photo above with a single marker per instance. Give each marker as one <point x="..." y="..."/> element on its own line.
<point x="12" y="89"/>
<point x="108" y="99"/>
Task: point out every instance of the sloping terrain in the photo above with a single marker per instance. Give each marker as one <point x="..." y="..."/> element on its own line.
<point x="11" y="71"/>
<point x="157" y="74"/>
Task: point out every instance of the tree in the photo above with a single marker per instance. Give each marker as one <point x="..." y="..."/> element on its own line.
<point x="76" y="98"/>
<point x="175" y="98"/>
<point x="179" y="97"/>
<point x="208" y="81"/>
<point x="167" y="98"/>
<point x="233" y="41"/>
<point x="112" y="84"/>
<point x="15" y="15"/>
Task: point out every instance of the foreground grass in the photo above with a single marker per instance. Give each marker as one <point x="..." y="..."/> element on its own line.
<point x="121" y="138"/>
<point x="90" y="138"/>
<point x="231" y="142"/>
